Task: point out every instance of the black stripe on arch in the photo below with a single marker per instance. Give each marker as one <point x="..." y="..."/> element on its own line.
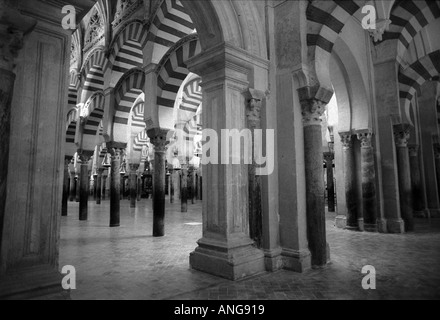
<point x="398" y="21"/>
<point x="120" y="120"/>
<point x="435" y="9"/>
<point x="317" y="40"/>
<point x="435" y="58"/>
<point x="90" y="132"/>
<point x="320" y="16"/>
<point x="348" y="5"/>
<point x="421" y="70"/>
<point x="403" y="79"/>
<point x="165" y="102"/>
<point x="405" y="95"/>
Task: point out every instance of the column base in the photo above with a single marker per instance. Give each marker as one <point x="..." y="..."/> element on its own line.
<point x="341" y="222"/>
<point x="40" y="282"/>
<point x="434" y="213"/>
<point x="382" y="226"/>
<point x="371" y="227"/>
<point x="298" y="261"/>
<point x="395" y="226"/>
<point x="361" y="225"/>
<point x="273" y="260"/>
<point x="228" y="260"/>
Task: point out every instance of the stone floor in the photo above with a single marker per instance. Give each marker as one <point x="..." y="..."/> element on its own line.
<point x="128" y="263"/>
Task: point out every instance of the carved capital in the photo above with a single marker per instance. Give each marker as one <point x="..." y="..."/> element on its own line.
<point x="133" y="167"/>
<point x="116" y="153"/>
<point x="437" y="150"/>
<point x="312" y="111"/>
<point x="413" y="150"/>
<point x="159" y="138"/>
<point x="329" y="156"/>
<point x="402" y="135"/>
<point x="346" y="140"/>
<point x="85" y="155"/>
<point x="365" y="138"/>
<point x="254" y="99"/>
<point x="381" y="27"/>
<point x="11" y="42"/>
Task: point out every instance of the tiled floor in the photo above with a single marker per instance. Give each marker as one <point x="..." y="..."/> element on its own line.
<point x="128" y="263"/>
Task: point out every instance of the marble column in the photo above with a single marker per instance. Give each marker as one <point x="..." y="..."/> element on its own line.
<point x="401" y="136"/>
<point x="171" y="186"/>
<point x="133" y="184"/>
<point x="78" y="186"/>
<point x="328" y="158"/>
<point x="253" y="117"/>
<point x="139" y="188"/>
<point x="72" y="188"/>
<point x="95" y="191"/>
<point x="312" y="111"/>
<point x="104" y="186"/>
<point x="350" y="181"/>
<point x="65" y="186"/>
<point x="416" y="182"/>
<point x="115" y="186"/>
<point x="437" y="165"/>
<point x="368" y="171"/>
<point x="184" y="185"/>
<point x="158" y="138"/>
<point x="99" y="185"/>
<point x="84" y="185"/>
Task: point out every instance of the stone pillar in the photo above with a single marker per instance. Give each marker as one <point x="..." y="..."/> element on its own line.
<point x="350" y="181"/>
<point x="171" y="186"/>
<point x="401" y="136"/>
<point x="99" y="185"/>
<point x="312" y="111"/>
<point x="72" y="188"/>
<point x="184" y="184"/>
<point x="176" y="184"/>
<point x="437" y="165"/>
<point x="253" y="117"/>
<point x="95" y="191"/>
<point x="104" y="186"/>
<point x="369" y="201"/>
<point x="416" y="182"/>
<point x="328" y="158"/>
<point x="139" y="188"/>
<point x="66" y="187"/>
<point x="133" y="187"/>
<point x="158" y="138"/>
<point x="115" y="185"/>
<point x="78" y="186"/>
<point x="84" y="184"/>
<point x="226" y="249"/>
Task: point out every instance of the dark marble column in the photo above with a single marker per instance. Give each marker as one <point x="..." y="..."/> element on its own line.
<point x="133" y="184"/>
<point x="84" y="185"/>
<point x="253" y="122"/>
<point x="158" y="138"/>
<point x="369" y="201"/>
<point x="115" y="186"/>
<point x="78" y="185"/>
<point x="139" y="188"/>
<point x="328" y="158"/>
<point x="99" y="185"/>
<point x="416" y="182"/>
<point x="401" y="136"/>
<point x="171" y="186"/>
<point x="312" y="111"/>
<point x="65" y="186"/>
<point x="104" y="186"/>
<point x="350" y="181"/>
<point x="437" y="165"/>
<point x="184" y="185"/>
<point x="72" y="188"/>
<point x="95" y="191"/>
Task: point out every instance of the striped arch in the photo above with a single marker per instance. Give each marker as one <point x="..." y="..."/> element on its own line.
<point x="137" y="122"/>
<point x="140" y="140"/>
<point x="193" y="128"/>
<point x="325" y="23"/>
<point x="128" y="90"/>
<point x="93" y="73"/>
<point x="93" y="121"/>
<point x="72" y="119"/>
<point x="170" y="24"/>
<point x="412" y="78"/>
<point x="73" y="90"/>
<point x="408" y="18"/>
<point x="172" y="72"/>
<point x="127" y="49"/>
<point x="192" y="96"/>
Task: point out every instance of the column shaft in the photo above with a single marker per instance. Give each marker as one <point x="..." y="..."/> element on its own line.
<point x="65" y="188"/>
<point x="405" y="191"/>
<point x="84" y="191"/>
<point x="369" y="204"/>
<point x="115" y="187"/>
<point x="184" y="188"/>
<point x="316" y="232"/>
<point x="99" y="186"/>
<point x="350" y="182"/>
<point x="328" y="157"/>
<point x="133" y="186"/>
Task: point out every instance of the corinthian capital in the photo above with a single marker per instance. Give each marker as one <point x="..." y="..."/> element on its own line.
<point x="402" y="135"/>
<point x="159" y="138"/>
<point x="365" y="137"/>
<point x="312" y="111"/>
